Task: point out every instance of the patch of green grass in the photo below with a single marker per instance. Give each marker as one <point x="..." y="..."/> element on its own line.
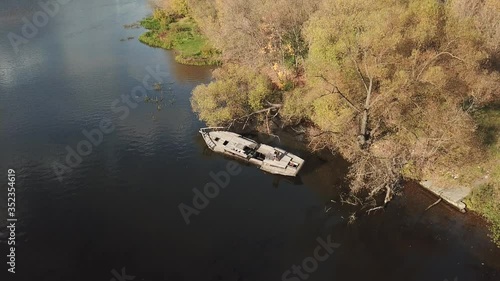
<point x="485" y="198"/>
<point x="489" y="124"/>
<point x="489" y="129"/>
<point x="181" y="35"/>
<point x="485" y="201"/>
<point x="153" y="39"/>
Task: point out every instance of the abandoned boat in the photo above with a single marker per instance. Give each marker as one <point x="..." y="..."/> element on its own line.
<point x="270" y="159"/>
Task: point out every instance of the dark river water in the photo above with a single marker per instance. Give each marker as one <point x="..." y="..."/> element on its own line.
<point x="115" y="215"/>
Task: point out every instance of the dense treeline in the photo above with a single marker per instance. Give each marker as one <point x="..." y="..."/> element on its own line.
<point x="395" y="86"/>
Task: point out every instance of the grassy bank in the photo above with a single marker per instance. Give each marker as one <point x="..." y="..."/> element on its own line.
<point x="485" y="198"/>
<point x="180" y="34"/>
<point x="482" y="173"/>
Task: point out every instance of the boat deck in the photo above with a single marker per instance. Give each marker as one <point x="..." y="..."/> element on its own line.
<point x="268" y="158"/>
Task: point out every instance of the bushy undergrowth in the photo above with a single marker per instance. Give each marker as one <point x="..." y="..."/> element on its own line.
<point x="181" y="34"/>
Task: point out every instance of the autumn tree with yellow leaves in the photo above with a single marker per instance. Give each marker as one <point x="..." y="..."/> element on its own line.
<point x="392" y="85"/>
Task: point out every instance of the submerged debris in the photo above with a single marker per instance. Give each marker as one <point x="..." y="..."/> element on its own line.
<point x="157" y="86"/>
<point x="132" y="25"/>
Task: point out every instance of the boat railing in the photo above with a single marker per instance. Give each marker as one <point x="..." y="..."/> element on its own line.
<point x="204" y="132"/>
<point x="211" y="129"/>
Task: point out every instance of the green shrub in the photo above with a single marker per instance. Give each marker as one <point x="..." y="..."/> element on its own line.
<point x="182" y="34"/>
<point x="236" y="92"/>
<point x="485" y="200"/>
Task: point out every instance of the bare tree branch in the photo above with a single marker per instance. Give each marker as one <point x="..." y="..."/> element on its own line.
<point x="337" y="91"/>
<point x="434" y="58"/>
<point x="361" y="75"/>
<point x="267" y="110"/>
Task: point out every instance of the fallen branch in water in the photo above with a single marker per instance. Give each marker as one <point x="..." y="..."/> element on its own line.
<point x="374" y="209"/>
<point x="388" y="195"/>
<point x="352" y="218"/>
<point x="434" y="204"/>
<point x="356" y="201"/>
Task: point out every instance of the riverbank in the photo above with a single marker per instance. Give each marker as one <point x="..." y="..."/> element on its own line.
<point x="476" y="185"/>
<point x="181" y="34"/>
<point x="306" y="73"/>
<point x="485" y="196"/>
